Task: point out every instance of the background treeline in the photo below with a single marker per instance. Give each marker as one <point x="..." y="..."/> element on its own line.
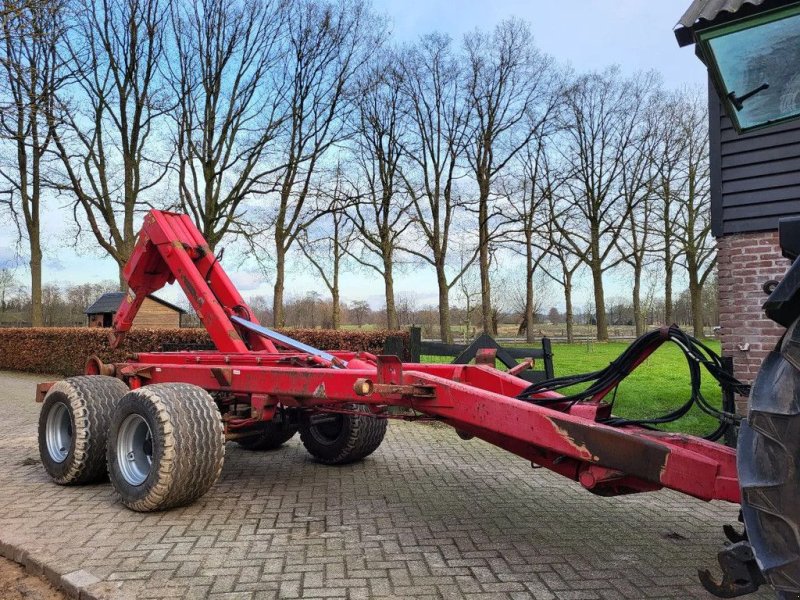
<point x="301" y="133"/>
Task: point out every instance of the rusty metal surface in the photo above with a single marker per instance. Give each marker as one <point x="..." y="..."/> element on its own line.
<point x="42" y="389"/>
<point x="223" y="375"/>
<point x="616" y="449"/>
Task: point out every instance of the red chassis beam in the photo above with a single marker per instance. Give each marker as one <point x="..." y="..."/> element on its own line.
<point x="476" y="400"/>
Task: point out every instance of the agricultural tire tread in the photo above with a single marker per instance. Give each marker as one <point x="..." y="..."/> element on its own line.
<point x="188" y="446"/>
<point x="90" y="402"/>
<point x="358" y="437"/>
<point x="769" y="466"/>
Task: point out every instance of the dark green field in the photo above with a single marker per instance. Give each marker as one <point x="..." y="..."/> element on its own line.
<point x="659" y="385"/>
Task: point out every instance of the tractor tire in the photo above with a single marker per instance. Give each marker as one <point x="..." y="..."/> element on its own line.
<point x="166" y="446"/>
<point x="339" y="439"/>
<point x="769" y="466"/>
<point x="73" y="427"/>
<point x="268" y="436"/>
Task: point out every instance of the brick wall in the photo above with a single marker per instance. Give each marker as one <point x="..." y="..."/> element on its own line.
<point x="745" y="262"/>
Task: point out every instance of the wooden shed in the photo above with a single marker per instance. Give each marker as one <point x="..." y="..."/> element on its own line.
<point x="155" y="313"/>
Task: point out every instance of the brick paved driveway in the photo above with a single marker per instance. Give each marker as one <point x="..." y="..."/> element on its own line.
<point x="427" y="516"/>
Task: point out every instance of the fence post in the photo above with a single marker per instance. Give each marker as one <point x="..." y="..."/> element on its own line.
<point x="548" y="358"/>
<point x="414" y="343"/>
<point x="729" y="403"/>
<point x="393" y="346"/>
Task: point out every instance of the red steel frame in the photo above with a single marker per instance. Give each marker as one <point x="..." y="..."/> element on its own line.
<point x="477" y="400"/>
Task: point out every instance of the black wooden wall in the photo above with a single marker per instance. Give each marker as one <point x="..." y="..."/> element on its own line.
<point x="755" y="177"/>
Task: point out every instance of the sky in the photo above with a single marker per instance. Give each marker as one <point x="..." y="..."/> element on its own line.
<point x="586" y="34"/>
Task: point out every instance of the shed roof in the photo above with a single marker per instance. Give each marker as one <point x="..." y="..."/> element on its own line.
<point x="110" y="301"/>
<point x="703" y="13"/>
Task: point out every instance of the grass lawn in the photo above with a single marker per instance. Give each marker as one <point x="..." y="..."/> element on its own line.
<point x="659" y="385"/>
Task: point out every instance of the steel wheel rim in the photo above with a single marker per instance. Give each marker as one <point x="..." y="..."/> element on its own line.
<point x="326" y="428"/>
<point x="134" y="449"/>
<point x="58" y="432"/>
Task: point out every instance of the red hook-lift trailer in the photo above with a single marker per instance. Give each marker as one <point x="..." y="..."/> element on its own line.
<point x="158" y="422"/>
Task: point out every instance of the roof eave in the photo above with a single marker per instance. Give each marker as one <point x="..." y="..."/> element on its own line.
<point x="696" y="19"/>
<point x="685" y="36"/>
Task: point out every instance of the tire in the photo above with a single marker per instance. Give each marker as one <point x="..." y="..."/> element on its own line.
<point x="73" y="427"/>
<point x="166" y="446"/>
<point x="342" y="439"/>
<point x="769" y="466"/>
<point x="268" y="436"/>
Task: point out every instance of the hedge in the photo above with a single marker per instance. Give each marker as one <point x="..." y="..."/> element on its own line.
<point x="63" y="350"/>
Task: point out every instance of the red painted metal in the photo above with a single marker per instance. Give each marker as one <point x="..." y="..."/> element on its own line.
<point x="477" y="400"/>
<point x="170" y="248"/>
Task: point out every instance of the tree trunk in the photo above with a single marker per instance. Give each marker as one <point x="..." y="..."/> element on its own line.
<point x="697" y="312"/>
<point x="570" y="317"/>
<point x="388" y="283"/>
<point x="37" y="319"/>
<point x="638" y="318"/>
<point x="668" y="318"/>
<point x="483" y="244"/>
<point x="123" y="284"/>
<point x="336" y="310"/>
<point x="668" y="267"/>
<point x="444" y="306"/>
<point x="278" y="316"/>
<point x="599" y="303"/>
<point x="125" y="250"/>
<point x="486" y="291"/>
<point x="696" y="299"/>
<point x="529" y="294"/>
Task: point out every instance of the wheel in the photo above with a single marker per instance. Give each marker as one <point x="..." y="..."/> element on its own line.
<point x="166" y="446"/>
<point x="338" y="439"/>
<point x="73" y="427"/>
<point x="268" y="436"/>
<point x="769" y="466"/>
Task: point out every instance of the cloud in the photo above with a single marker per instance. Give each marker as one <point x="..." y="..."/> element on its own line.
<point x="247" y="281"/>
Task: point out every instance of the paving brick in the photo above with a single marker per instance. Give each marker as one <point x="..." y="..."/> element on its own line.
<point x="428" y="515"/>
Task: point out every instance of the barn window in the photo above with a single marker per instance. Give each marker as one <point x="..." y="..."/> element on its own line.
<point x="753" y="63"/>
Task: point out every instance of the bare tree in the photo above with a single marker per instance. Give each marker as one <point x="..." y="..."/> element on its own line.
<point x="329" y="43"/>
<point x="636" y="247"/>
<point x="380" y="215"/>
<point x="561" y="264"/>
<point x="360" y="310"/>
<point x="637" y="177"/>
<point x="667" y="152"/>
<point x="526" y="211"/>
<point x="601" y="121"/>
<point x="432" y="84"/>
<point x="106" y="123"/>
<point x="327" y="245"/>
<point x="32" y="72"/>
<point x="470" y="291"/>
<point x="230" y="106"/>
<point x="7" y="283"/>
<point x="693" y="223"/>
<point x="509" y="83"/>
